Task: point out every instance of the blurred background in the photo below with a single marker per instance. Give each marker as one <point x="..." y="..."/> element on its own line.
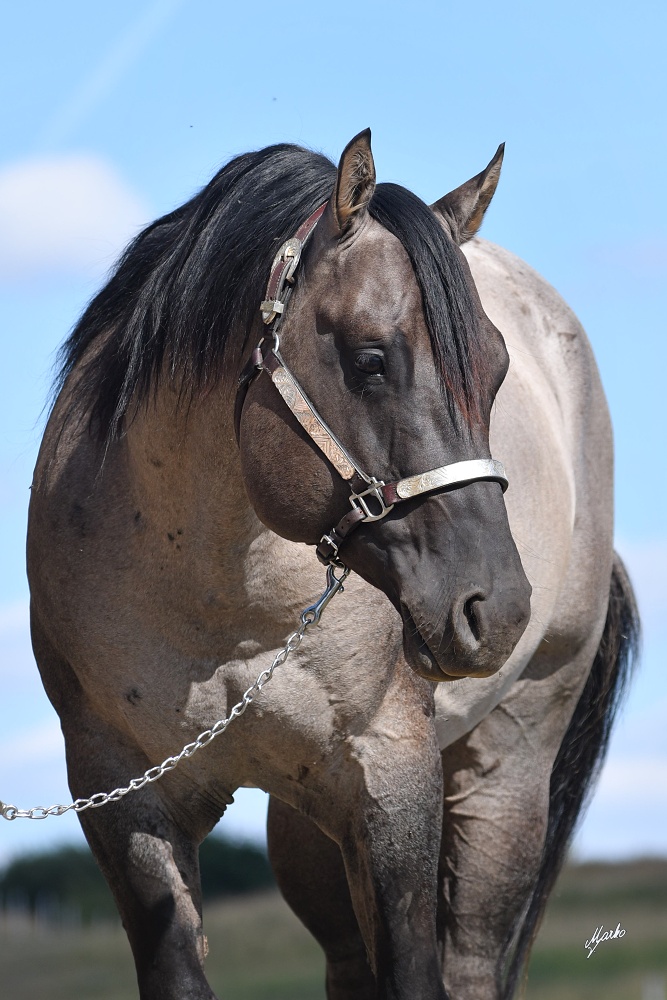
<point x="113" y="114"/>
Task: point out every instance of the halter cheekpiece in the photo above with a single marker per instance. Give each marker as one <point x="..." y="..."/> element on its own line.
<point x="371" y="499"/>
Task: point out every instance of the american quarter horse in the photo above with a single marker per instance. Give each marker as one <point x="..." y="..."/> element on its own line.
<point x="428" y="747"/>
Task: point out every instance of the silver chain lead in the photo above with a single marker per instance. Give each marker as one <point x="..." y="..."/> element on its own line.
<point x="310" y="616"/>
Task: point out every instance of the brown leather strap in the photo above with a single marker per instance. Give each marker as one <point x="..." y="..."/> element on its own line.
<point x="329" y="544"/>
<point x="275" y="278"/>
<point x="249" y="373"/>
<point x="271" y="362"/>
<point x="390" y="495"/>
<point x="306" y="228"/>
<point x="284" y="267"/>
<point x="254" y="365"/>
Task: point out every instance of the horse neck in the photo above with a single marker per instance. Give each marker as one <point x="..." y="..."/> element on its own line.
<point x="186" y="469"/>
<point x="185" y="473"/>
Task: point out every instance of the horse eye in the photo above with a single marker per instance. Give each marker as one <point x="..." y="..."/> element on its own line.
<point x="369" y="363"/>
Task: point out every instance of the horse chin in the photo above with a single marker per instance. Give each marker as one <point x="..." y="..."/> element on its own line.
<point x="417" y="653"/>
<point x="423" y="661"/>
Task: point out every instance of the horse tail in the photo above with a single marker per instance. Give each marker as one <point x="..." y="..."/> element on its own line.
<point x="580" y="757"/>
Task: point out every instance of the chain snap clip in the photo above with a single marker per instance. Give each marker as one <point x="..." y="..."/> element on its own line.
<point x="312" y="614"/>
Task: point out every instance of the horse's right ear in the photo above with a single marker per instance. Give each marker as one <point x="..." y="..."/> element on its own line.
<point x="355" y="183"/>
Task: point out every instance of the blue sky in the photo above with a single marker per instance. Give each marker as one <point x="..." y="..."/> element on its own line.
<point x="112" y="114"/>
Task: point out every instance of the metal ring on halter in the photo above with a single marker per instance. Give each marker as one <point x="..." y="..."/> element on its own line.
<point x="375" y="491"/>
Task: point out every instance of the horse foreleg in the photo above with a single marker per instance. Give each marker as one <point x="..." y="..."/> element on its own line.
<point x="310" y="873"/>
<point x="390" y="849"/>
<point x="379" y="797"/>
<point x="151" y="866"/>
<point x="496" y="808"/>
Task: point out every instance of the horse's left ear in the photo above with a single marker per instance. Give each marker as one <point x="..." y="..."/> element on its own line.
<point x="463" y="209"/>
<point x="355" y="183"/>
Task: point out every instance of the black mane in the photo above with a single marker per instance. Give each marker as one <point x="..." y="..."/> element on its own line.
<point x="448" y="307"/>
<point x="195" y="277"/>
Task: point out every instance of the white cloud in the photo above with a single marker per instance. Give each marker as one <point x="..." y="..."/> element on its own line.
<point x="64" y="215"/>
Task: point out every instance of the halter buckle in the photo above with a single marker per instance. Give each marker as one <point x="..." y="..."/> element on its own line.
<point x="359" y="500"/>
<point x="289" y="254"/>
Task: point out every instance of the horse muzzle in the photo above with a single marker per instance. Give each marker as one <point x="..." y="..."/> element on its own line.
<point x="479" y="634"/>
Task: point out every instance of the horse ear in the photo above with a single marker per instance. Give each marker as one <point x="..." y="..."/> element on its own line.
<point x="355" y="182"/>
<point x="463" y="209"/>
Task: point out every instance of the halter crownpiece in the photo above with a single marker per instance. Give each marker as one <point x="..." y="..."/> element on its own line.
<point x="371" y="499"/>
<point x="284" y="267"/>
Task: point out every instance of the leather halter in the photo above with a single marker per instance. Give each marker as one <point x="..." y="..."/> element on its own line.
<point x="371" y="499"/>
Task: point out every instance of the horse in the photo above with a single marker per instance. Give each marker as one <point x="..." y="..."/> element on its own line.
<point x="428" y="746"/>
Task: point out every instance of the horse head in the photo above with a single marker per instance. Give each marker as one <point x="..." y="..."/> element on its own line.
<point x="386" y="336"/>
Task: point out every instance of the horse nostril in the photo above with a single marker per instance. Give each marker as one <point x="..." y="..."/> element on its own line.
<point x="469" y="612"/>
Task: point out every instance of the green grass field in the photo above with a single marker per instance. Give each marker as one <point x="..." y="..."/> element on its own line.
<point x="589" y="895"/>
<point x="258" y="950"/>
